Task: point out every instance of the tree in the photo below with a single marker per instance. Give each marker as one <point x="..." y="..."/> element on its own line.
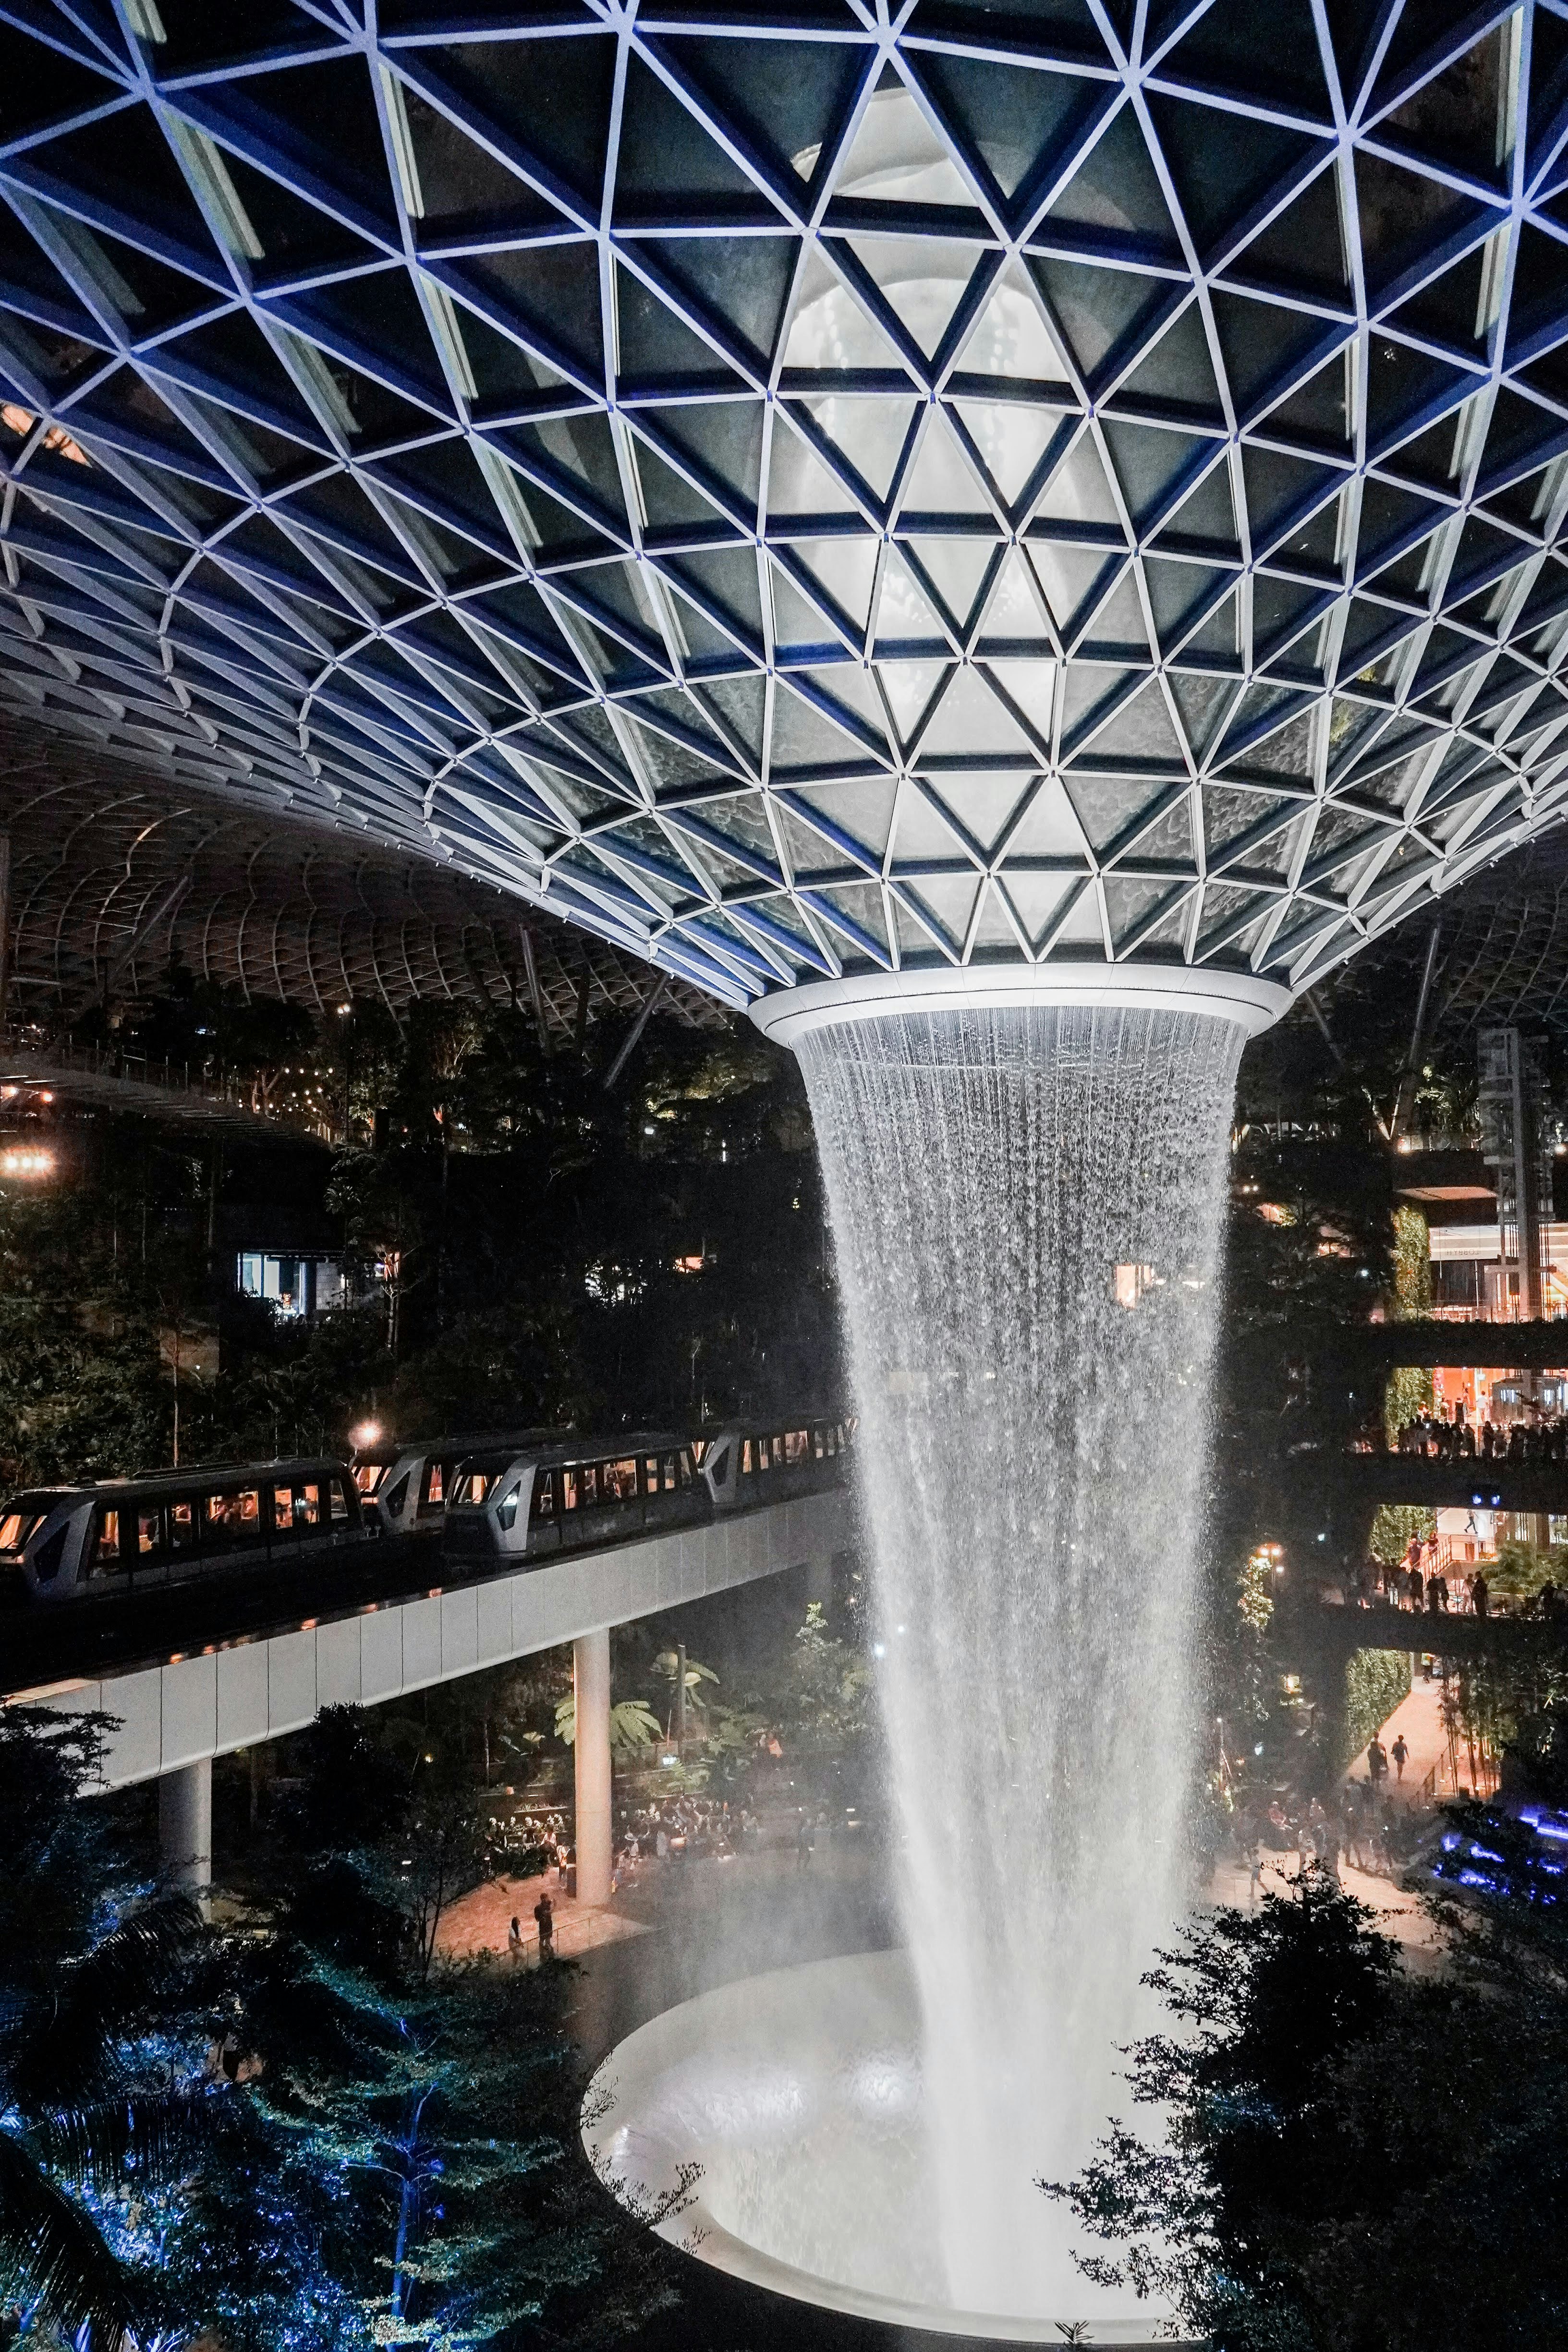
<point x="634" y="1728"/>
<point x="1357" y="2159"/>
<point x="104" y="2099"/>
<point x="412" y="2172"/>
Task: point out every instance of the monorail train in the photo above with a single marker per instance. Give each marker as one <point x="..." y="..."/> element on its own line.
<point x="531" y="1503"/>
<point x="409" y="1486"/>
<point x="130" y="1536"/>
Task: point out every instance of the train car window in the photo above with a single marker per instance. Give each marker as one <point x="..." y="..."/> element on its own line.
<point x="506" y="1509"/>
<point x="368" y="1476"/>
<point x="543" y="1504"/>
<point x="149" y="1533"/>
<point x="569" y="1490"/>
<point x="398" y="1495"/>
<point x="683" y="1468"/>
<point x="590" y="1477"/>
<point x="283" y="1509"/>
<point x="106" y="1558"/>
<point x="650" y="1474"/>
<point x="338" y="1493"/>
<point x="669" y="1473"/>
<point x="434" y="1490"/>
<point x="745" y="1457"/>
<point x="16" y="1528"/>
<point x="469" y="1492"/>
<point x="233" y="1518"/>
<point x="796" y="1447"/>
<point x="765" y="1454"/>
<point x="307" y="1509"/>
<point x="618" y="1481"/>
<point x="184" y="1527"/>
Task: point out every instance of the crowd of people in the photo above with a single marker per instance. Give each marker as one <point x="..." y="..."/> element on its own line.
<point x="1362" y="1823"/>
<point x="1452" y="1436"/>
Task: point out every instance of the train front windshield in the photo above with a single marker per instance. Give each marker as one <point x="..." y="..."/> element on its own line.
<point x="20" y="1521"/>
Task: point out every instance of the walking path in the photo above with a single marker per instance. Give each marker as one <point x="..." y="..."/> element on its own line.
<point x="481" y="1921"/>
<point x="1419" y="1718"/>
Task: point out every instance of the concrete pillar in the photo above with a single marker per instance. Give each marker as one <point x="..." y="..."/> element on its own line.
<point x="591" y="1683"/>
<point x="186" y="1827"/>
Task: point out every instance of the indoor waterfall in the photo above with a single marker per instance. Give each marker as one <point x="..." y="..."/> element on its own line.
<point x="1027" y="1213"/>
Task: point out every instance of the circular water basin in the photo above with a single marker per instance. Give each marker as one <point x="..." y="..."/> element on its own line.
<point x="772" y="2128"/>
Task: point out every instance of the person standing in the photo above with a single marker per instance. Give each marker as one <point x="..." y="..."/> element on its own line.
<point x="544" y="1915"/>
<point x="514" y="1941"/>
<point x="1400" y="1752"/>
<point x="1481" y="1594"/>
<point x="1376" y="1762"/>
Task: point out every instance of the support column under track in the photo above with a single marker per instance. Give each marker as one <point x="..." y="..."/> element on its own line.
<point x="185" y="1826"/>
<point x="591" y="1682"/>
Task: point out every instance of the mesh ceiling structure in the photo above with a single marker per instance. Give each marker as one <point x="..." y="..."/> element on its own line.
<point x="815" y="487"/>
<point x="113" y="877"/>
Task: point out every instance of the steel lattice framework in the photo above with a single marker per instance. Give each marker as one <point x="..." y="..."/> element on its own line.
<point x="812" y="487"/>
<point x="113" y="875"/>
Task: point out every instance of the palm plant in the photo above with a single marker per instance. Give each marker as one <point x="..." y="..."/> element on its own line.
<point x="94" y="2097"/>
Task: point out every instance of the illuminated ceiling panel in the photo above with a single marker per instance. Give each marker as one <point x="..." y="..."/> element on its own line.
<point x="801" y="499"/>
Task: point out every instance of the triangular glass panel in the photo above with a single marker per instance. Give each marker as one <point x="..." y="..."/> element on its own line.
<point x="804" y="736"/>
<point x="1318" y="409"/>
<point x="1037" y="899"/>
<point x="796" y="622"/>
<point x="1175" y="377"/>
<point x="799" y="482"/>
<point x="1455" y="119"/>
<point x="1302" y="250"/>
<point x="1280" y="488"/>
<point x="1118" y="622"/>
<point x="1049" y="827"/>
<point x="868" y="432"/>
<point x="971" y="720"/>
<point x="956" y="568"/>
<point x="1012" y="437"/>
<point x="1010" y="123"/>
<point x="1031" y="685"/>
<point x="922" y="279"/>
<point x="851" y="690"/>
<point x="995" y="928"/>
<point x="1179" y="594"/>
<point x="655" y="347"/>
<point x="863" y="811"/>
<point x="925" y="829"/>
<point x="1077" y="489"/>
<point x="1114" y="195"/>
<point x="897" y="157"/>
<point x="904" y="610"/>
<point x="1141" y="730"/>
<point x="1014" y="611"/>
<point x="745" y="307"/>
<point x="1206" y="518"/>
<point x="831" y="327"/>
<point x="941" y="480"/>
<point x="1010" y="338"/>
<point x="846" y="570"/>
<point x="1407" y="217"/>
<point x="549" y="99"/>
<point x="1243" y="51"/>
<point x="787" y="100"/>
<point x="860" y="907"/>
<point x="1266" y="347"/>
<point x="949" y="899"/>
<point x="1130" y="905"/>
<point x="909" y="687"/>
<point x="1101" y="315"/>
<point x="1068" y="577"/>
<point x="1222" y="183"/>
<point x="1152" y="467"/>
<point x="1108" y="808"/>
<point x="984" y="805"/>
<point x="666" y="163"/>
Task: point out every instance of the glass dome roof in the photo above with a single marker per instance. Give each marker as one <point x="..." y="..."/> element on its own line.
<point x="1080" y="481"/>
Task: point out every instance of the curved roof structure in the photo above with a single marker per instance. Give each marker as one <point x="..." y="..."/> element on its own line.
<point x="812" y="491"/>
<point x="113" y="873"/>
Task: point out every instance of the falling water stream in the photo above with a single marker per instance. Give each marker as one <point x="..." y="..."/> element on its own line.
<point x="1027" y="1209"/>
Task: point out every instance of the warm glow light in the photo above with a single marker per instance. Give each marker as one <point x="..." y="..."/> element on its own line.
<point x="22" y="1160"/>
<point x="367" y="1434"/>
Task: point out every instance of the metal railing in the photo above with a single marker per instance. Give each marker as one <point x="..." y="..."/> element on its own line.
<point x="220" y="1089"/>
